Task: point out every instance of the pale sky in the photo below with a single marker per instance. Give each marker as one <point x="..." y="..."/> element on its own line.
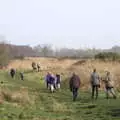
<point x="62" y="23"/>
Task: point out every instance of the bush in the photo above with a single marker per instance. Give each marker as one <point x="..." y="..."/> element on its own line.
<point x="107" y="56"/>
<point x="4" y="55"/>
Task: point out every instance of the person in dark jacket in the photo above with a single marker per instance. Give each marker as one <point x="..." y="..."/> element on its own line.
<point x="12" y="72"/>
<point x="38" y="67"/>
<point x="95" y="83"/>
<point x="74" y="85"/>
<point x="58" y="81"/>
<point x="21" y="76"/>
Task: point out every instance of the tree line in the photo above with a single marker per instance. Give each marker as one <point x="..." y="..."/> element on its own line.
<point x="8" y="52"/>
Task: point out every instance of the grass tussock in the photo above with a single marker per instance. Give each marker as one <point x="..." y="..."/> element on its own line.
<point x="21" y="97"/>
<point x="30" y="100"/>
<point x="59" y="107"/>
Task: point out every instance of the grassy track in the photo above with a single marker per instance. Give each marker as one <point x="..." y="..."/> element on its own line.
<point x="37" y="103"/>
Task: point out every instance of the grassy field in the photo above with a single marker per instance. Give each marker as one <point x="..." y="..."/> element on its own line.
<point x="66" y="66"/>
<point x="29" y="100"/>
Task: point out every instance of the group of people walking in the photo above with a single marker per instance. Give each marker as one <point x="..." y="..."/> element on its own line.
<point x="13" y="72"/>
<point x="95" y="81"/>
<point x="108" y="82"/>
<point x="36" y="66"/>
<point x="52" y="81"/>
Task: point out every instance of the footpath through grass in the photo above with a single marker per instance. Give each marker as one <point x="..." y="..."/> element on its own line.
<point x="29" y="100"/>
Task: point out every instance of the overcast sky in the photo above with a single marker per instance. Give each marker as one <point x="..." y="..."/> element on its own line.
<point x="62" y="23"/>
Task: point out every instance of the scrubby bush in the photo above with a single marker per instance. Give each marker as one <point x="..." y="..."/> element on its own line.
<point x="107" y="56"/>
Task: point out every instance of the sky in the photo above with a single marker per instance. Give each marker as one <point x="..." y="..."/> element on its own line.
<point x="61" y="23"/>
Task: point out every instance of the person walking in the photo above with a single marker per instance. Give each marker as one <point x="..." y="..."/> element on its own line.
<point x="21" y="75"/>
<point x="109" y="85"/>
<point x="47" y="80"/>
<point x="58" y="81"/>
<point x="12" y="72"/>
<point x="52" y="83"/>
<point x="74" y="85"/>
<point x="34" y="66"/>
<point x="95" y="83"/>
<point x="38" y="67"/>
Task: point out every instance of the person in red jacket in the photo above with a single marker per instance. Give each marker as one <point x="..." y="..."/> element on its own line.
<point x="74" y="85"/>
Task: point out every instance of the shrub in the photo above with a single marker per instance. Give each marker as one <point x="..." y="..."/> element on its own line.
<point x="107" y="56"/>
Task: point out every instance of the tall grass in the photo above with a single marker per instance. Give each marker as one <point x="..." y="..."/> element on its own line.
<point x="30" y="100"/>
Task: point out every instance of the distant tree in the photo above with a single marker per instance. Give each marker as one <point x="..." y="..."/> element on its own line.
<point x="47" y="50"/>
<point x="4" y="54"/>
<point x="44" y="50"/>
<point x="38" y="50"/>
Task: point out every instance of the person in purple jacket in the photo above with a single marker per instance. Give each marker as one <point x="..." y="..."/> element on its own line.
<point x="47" y="79"/>
<point x="52" y="83"/>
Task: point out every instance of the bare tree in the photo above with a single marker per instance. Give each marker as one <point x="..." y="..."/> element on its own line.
<point x="44" y="50"/>
<point x="4" y="54"/>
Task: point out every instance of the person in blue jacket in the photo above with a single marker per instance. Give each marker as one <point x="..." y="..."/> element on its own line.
<point x="52" y="83"/>
<point x="47" y="80"/>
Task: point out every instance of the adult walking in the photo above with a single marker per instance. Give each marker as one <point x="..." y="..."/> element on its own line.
<point x="34" y="66"/>
<point x="95" y="83"/>
<point x="109" y="85"/>
<point x="52" y="83"/>
<point x="21" y="76"/>
<point x="47" y="80"/>
<point x="12" y="72"/>
<point x="74" y="85"/>
<point x="58" y="81"/>
<point x="38" y="67"/>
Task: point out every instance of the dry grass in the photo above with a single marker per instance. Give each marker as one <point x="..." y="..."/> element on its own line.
<point x="80" y="62"/>
<point x="67" y="66"/>
<point x="59" y="107"/>
<point x="46" y="63"/>
<point x="1" y="98"/>
<point x="20" y="97"/>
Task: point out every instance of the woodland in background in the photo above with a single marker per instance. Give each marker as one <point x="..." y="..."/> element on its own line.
<point x="9" y="51"/>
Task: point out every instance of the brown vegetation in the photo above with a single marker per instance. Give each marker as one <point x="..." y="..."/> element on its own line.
<point x="80" y="62"/>
<point x="20" y="97"/>
<point x="67" y="66"/>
